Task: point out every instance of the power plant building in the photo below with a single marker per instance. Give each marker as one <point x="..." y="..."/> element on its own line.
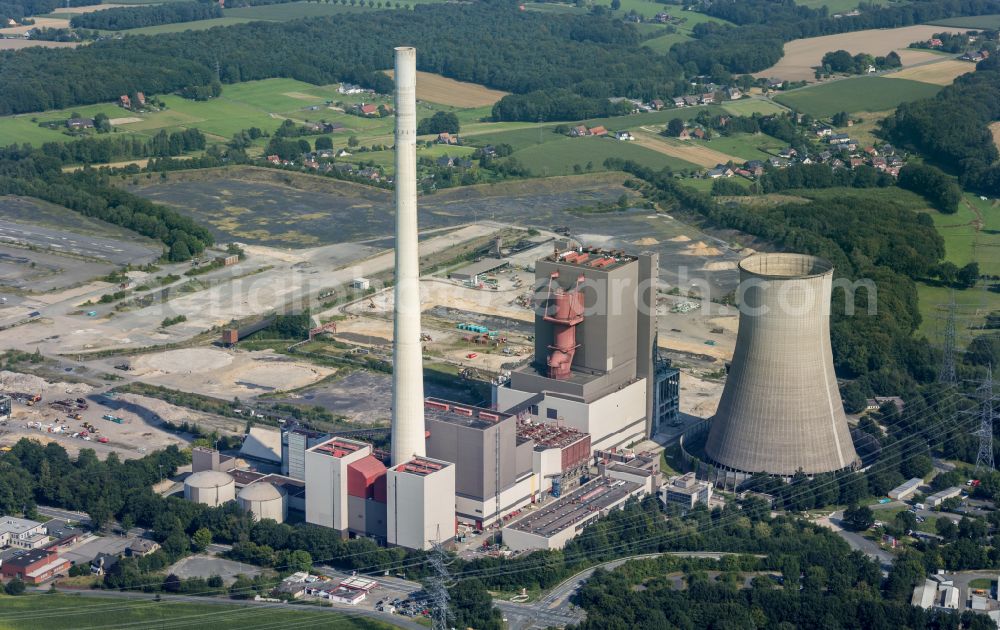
<point x="343" y="493"/>
<point x="264" y="501"/>
<point x="210" y="487"/>
<point x="421" y="503"/>
<point x="560" y="454"/>
<point x="781" y="411"/>
<point x="493" y="466"/>
<point x="595" y="329"/>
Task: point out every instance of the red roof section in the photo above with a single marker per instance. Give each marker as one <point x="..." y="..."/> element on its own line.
<point x="366" y="479"/>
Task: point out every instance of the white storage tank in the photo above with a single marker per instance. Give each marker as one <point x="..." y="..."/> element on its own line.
<point x="264" y="500"/>
<point x="211" y="487"/>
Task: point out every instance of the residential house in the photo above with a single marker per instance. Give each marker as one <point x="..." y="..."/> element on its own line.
<point x="698" y="133"/>
<point x="690" y="101"/>
<point x="707" y="98"/>
<point x="742" y="172"/>
<point x="368" y="109"/>
<point x="343" y="153"/>
<point x="661" y="18"/>
<point x="141" y="548"/>
<point x="445" y="162"/>
<point x="775" y="84"/>
<point x="125" y="101"/>
<point x="656" y="104"/>
<point x="101" y="564"/>
<point x="446" y="138"/>
<point x="755" y="167"/>
<point x="788" y="153"/>
<point x="840" y="138"/>
<point x="274" y="159"/>
<point x="836" y="163"/>
<point x="856" y="162"/>
<point x="140" y="98"/>
<point x="777" y="162"/>
<point x="824" y="156"/>
<point x="879" y="163"/>
<point x="871" y="151"/>
<point x="598" y="131"/>
<point x="685" y="134"/>
<point x="734" y="93"/>
<point x="350" y="88"/>
<point x="823" y="132"/>
<point x="721" y="170"/>
<point x="679" y="101"/>
<point x="935" y="43"/>
<point x="80" y="123"/>
<point x="623" y="135"/>
<point x="579" y="131"/>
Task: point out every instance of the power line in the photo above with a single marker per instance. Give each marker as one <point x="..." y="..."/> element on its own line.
<point x="437" y="584"/>
<point x="986" y="398"/>
<point x="947" y="371"/>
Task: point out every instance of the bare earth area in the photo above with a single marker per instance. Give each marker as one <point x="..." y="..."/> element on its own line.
<point x="18" y="44"/>
<point x="690" y="150"/>
<point x="802" y="55"/>
<point x="225" y="373"/>
<point x="40" y="22"/>
<point x="438" y="89"/>
<point x="940" y="73"/>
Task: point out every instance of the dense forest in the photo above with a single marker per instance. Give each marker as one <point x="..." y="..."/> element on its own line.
<point x="31" y="173"/>
<point x="864" y="239"/>
<point x="104" y="149"/>
<point x="465" y="42"/>
<point x="18" y="9"/>
<point x="952" y="128"/>
<point x="122" y="18"/>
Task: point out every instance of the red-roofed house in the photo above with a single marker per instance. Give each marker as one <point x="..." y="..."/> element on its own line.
<point x="598" y="131"/>
<point x="125" y="101"/>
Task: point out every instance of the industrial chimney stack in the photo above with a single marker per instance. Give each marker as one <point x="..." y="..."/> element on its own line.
<point x="407" y="357"/>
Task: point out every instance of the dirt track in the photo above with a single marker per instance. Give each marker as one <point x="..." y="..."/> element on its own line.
<point x="693" y="151"/>
<point x="802" y="55"/>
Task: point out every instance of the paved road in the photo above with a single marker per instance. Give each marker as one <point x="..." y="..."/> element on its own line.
<point x="856" y="540"/>
<point x="144" y="599"/>
<point x="65" y="515"/>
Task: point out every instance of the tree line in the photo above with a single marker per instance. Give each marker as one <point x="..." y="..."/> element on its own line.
<point x="106" y="149"/>
<point x="952" y="128"/>
<point x="19" y="9"/>
<point x="122" y="18"/>
<point x="29" y="172"/>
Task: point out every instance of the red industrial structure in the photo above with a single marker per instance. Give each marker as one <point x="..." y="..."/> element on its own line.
<point x="366" y="479"/>
<point x="565" y="312"/>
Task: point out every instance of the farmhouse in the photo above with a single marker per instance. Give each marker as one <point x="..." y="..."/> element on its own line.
<point x="734" y="93"/>
<point x="721" y="170"/>
<point x="80" y="123"/>
<point x="125" y="101"/>
<point x="446" y="138"/>
<point x="623" y="135"/>
<point x="367" y="109"/>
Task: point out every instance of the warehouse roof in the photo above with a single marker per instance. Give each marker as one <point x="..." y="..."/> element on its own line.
<point x="578" y="506"/>
<point x="466" y="415"/>
<point x="485" y="265"/>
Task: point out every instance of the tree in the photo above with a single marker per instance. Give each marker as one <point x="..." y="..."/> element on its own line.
<point x="840" y="119"/>
<point x="15" y="587"/>
<point x="859" y="518"/>
<point x="324" y="143"/>
<point x="471" y="606"/>
<point x="616" y="4"/>
<point x="675" y="127"/>
<point x="968" y="275"/>
<point x="172" y="584"/>
<point x="201" y="539"/>
<point x="352" y="141"/>
<point x="440" y="122"/>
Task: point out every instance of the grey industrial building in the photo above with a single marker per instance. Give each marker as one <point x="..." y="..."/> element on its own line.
<point x="493" y="467"/>
<point x="594" y="363"/>
<point x="294" y="443"/>
<point x="780" y="411"/>
<point x="561" y="520"/>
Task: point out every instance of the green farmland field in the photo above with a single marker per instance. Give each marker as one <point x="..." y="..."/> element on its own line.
<point x="861" y="94"/>
<point x="73" y="612"/>
<point x="558" y="157"/>
<point x="972" y="21"/>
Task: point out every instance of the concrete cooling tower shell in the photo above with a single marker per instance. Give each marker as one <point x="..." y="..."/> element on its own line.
<point x="780" y="410"/>
<point x="264" y="500"/>
<point x="211" y="487"/>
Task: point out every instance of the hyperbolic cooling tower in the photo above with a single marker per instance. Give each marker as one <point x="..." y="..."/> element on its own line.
<point x="781" y="410"/>
<point x="407" y="354"/>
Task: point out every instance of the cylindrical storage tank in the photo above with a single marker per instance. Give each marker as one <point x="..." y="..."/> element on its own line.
<point x="211" y="487"/>
<point x="780" y="411"/>
<point x="264" y="500"/>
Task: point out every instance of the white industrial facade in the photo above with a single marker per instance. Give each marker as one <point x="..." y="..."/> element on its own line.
<point x="617" y="419"/>
<point x="420" y="497"/>
<point x="326" y="481"/>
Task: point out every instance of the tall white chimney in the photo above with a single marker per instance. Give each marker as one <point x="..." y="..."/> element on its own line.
<point x="407" y="355"/>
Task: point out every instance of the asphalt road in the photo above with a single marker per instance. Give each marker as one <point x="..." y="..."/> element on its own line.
<point x="65" y="515"/>
<point x="114" y="251"/>
<point x="859" y="542"/>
